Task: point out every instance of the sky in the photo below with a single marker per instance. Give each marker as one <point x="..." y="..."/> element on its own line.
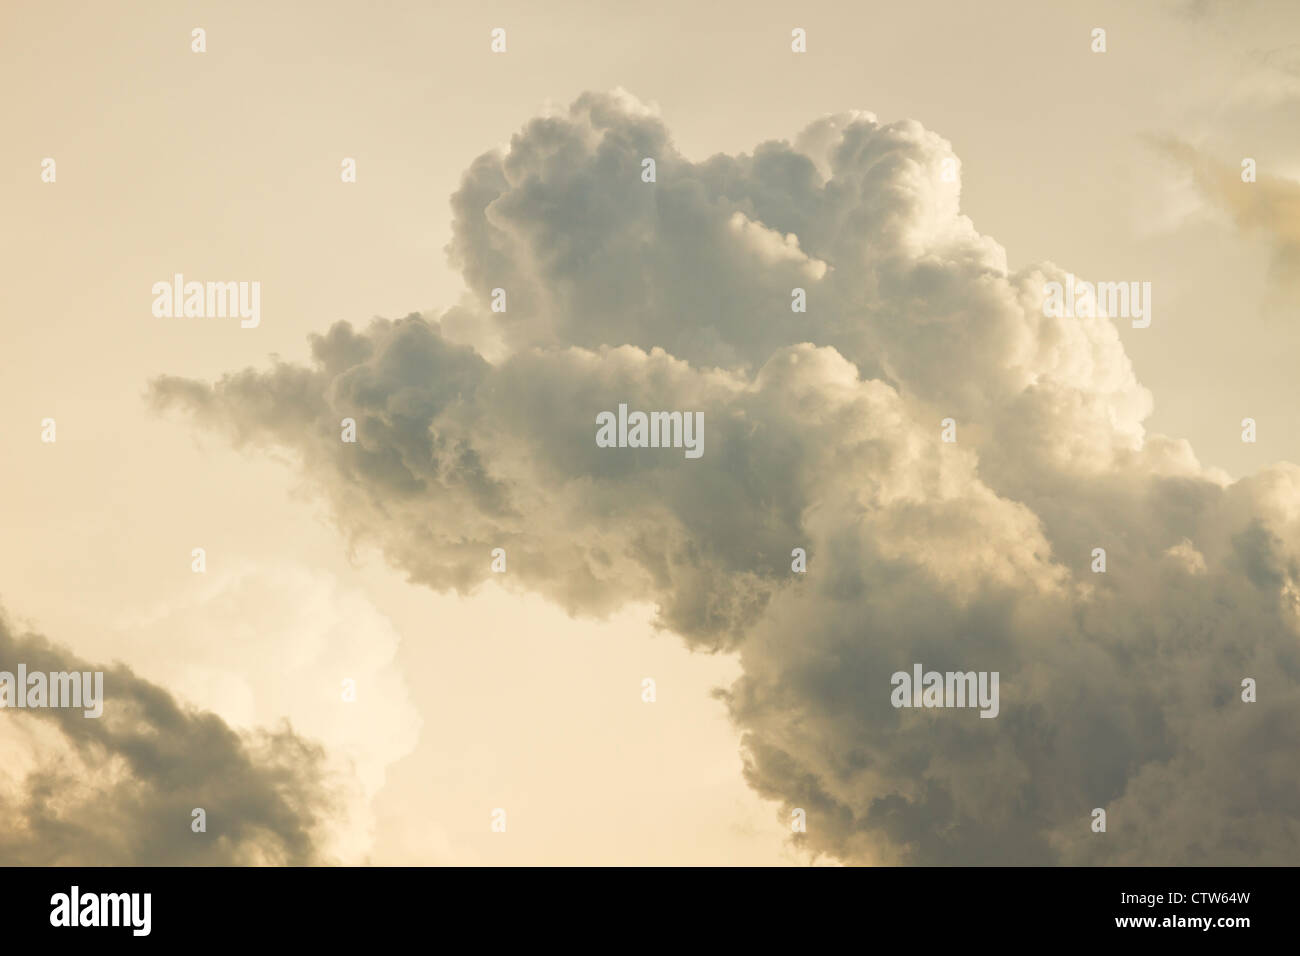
<point x="523" y="691"/>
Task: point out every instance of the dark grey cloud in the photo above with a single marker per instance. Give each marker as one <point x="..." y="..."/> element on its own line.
<point x="119" y="789"/>
<point x="1118" y="690"/>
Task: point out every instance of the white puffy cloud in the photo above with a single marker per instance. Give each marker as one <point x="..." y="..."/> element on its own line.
<point x="309" y="635"/>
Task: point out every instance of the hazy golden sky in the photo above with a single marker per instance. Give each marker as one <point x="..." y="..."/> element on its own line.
<point x="225" y="165"/>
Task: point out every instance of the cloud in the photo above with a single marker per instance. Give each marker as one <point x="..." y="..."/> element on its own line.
<point x="311" y="634"/>
<point x="1268" y="208"/>
<point x="119" y="790"/>
<point x="1119" y="690"/>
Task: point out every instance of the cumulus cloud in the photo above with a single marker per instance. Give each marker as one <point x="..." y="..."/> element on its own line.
<point x="1119" y="690"/>
<point x="311" y="634"/>
<point x="120" y="789"/>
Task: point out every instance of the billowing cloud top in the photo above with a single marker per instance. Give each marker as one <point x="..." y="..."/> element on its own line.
<point x="1118" y="690"/>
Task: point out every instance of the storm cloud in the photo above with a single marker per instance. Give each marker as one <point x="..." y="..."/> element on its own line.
<point x="120" y="789"/>
<point x="475" y="431"/>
